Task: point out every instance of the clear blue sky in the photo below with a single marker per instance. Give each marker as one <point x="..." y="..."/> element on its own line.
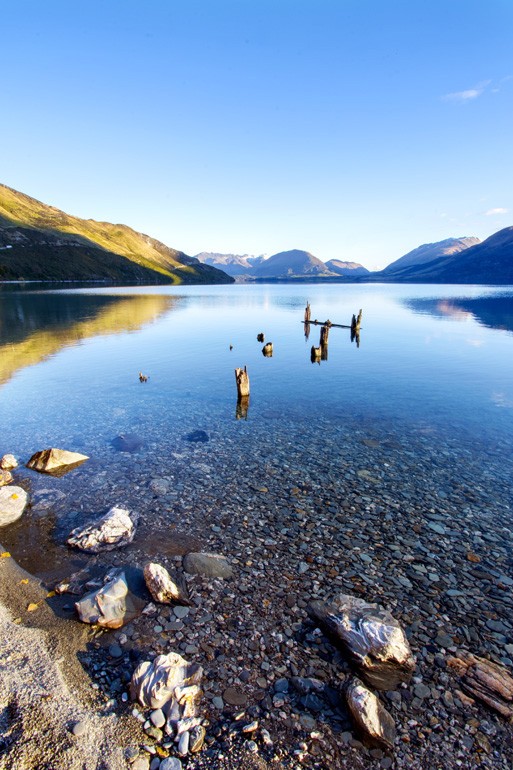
<point x="354" y="129"/>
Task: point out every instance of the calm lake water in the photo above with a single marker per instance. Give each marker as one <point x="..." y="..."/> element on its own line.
<point x="433" y="361"/>
<point x="69" y="362"/>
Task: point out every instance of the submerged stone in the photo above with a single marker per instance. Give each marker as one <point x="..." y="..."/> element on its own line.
<point x="127" y="442"/>
<point x="197" y="436"/>
<point x="371" y="637"/>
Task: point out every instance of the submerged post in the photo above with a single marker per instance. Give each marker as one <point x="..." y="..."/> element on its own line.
<point x="267" y="350"/>
<point x="323" y="343"/>
<point x="241" y="410"/>
<point x="242" y="380"/>
<point x="355" y="323"/>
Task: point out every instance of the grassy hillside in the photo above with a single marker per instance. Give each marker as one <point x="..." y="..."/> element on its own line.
<point x="41" y="242"/>
<point x="113" y="315"/>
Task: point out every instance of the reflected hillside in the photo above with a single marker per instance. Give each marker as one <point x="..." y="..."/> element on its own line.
<point x="493" y="312"/>
<point x="36" y="326"/>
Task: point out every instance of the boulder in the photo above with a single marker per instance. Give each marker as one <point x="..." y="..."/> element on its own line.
<point x="164" y="679"/>
<point x="13" y="501"/>
<point x="370" y="636"/>
<point x="127" y="442"/>
<point x="197" y="436"/>
<point x="8" y="462"/>
<point x="163" y="587"/>
<point x="113" y="530"/>
<point x="489" y="682"/>
<point x="55" y="461"/>
<point x="5" y="478"/>
<point x="112" y="605"/>
<point x="371" y="719"/>
<point x="209" y="564"/>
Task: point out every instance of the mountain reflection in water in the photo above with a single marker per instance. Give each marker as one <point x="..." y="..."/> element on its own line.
<point x="34" y="327"/>
<point x="493" y="312"/>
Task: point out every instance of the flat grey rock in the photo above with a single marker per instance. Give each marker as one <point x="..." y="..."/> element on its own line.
<point x="209" y="564"/>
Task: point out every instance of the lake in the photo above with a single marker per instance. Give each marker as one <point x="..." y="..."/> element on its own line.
<point x="430" y="375"/>
<point x="383" y="471"/>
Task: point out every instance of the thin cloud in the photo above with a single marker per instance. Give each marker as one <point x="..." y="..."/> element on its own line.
<point x="495" y="212"/>
<point x="469" y="94"/>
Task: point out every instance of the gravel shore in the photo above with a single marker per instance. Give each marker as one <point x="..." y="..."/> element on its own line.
<point x="345" y="506"/>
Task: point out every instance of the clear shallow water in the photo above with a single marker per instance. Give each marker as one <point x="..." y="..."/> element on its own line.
<point x="69" y="360"/>
<point x="431" y="382"/>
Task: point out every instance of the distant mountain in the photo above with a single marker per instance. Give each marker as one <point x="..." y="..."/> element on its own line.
<point x="40" y="242"/>
<point x="489" y="261"/>
<point x="349" y="269"/>
<point x="232" y="264"/>
<point x="292" y="264"/>
<point x="429" y="252"/>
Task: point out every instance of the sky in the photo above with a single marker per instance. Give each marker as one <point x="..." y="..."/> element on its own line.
<point x="353" y="129"/>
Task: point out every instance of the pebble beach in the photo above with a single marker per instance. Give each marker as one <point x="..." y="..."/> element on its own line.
<point x="343" y="506"/>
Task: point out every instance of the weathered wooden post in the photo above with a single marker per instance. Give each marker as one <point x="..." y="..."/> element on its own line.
<point x="241" y="410"/>
<point x="355" y="328"/>
<point x="307" y="313"/>
<point x="315" y="355"/>
<point x="267" y="350"/>
<point x="242" y="380"/>
<point x="260" y="337"/>
<point x="323" y="343"/>
<point x="355" y="323"/>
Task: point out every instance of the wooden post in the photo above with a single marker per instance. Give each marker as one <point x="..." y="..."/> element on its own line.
<point x="307" y="313"/>
<point x="260" y="337"/>
<point x="242" y="380"/>
<point x="323" y="343"/>
<point x="315" y="354"/>
<point x="267" y="350"/>
<point x="355" y="323"/>
<point x="241" y="410"/>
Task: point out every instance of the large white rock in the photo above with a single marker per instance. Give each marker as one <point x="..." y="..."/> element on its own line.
<point x="113" y="530"/>
<point x="13" y="501"/>
<point x="52" y="460"/>
<point x="162" y="586"/>
<point x="112" y="605"/>
<point x="163" y="679"/>
<point x="370" y="636"/>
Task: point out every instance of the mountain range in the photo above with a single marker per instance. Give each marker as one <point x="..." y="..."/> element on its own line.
<point x="456" y="260"/>
<point x="40" y="242"/>
<point x="286" y="265"/>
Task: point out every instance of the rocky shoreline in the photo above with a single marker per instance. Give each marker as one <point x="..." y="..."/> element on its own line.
<point x="381" y="518"/>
